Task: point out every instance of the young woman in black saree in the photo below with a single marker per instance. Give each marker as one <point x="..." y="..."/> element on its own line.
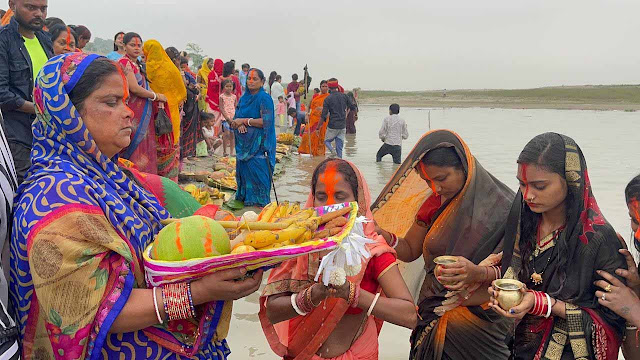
<point x="556" y="239"/>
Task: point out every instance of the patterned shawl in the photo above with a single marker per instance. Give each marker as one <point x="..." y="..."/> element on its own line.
<point x="79" y="230"/>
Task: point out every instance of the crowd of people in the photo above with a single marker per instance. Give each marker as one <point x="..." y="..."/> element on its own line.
<point x="91" y="146"/>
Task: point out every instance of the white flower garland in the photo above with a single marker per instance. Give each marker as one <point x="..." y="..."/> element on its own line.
<point x="346" y="259"/>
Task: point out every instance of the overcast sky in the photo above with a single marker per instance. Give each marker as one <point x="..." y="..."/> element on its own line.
<point x="393" y="44"/>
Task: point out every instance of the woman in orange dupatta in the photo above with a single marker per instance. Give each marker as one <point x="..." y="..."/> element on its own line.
<point x="314" y="133"/>
<point x="334" y="328"/>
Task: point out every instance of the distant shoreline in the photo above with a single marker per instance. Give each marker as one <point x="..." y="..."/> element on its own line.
<point x="600" y="97"/>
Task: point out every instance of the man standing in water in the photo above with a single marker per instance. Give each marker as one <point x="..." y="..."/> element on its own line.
<point x="24" y="49"/>
<point x="335" y="106"/>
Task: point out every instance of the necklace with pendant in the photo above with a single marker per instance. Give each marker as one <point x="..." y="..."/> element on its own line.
<point x="536" y="277"/>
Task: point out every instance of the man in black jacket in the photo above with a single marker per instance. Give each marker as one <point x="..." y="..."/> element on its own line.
<point x="24" y="49"/>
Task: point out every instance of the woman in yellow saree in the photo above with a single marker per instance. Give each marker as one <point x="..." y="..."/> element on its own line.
<point x="165" y="78"/>
<point x="313" y="135"/>
<point x="203" y="80"/>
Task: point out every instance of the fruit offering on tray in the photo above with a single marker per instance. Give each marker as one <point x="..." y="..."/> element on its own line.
<point x="295" y="227"/>
<point x="203" y="195"/>
<point x="276" y="226"/>
<point x="285" y="138"/>
<point x="227" y="182"/>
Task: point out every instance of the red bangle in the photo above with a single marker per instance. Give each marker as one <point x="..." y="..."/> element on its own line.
<point x="177" y="301"/>
<point x="540" y="306"/>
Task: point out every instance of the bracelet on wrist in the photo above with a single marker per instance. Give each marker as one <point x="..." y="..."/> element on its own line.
<point x="356" y="297"/>
<point x="394" y="241"/>
<point x="178" y="302"/>
<point x="541" y="305"/>
<point x="155" y="96"/>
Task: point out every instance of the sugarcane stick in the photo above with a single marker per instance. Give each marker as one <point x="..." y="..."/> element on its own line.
<point x="334" y="214"/>
<point x="243" y="225"/>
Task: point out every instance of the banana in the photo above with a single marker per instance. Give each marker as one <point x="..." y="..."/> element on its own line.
<point x="284" y="208"/>
<point x="267" y="212"/>
<point x="263" y="238"/>
<point x="299" y="217"/>
<point x="296" y="208"/>
<point x="308" y="235"/>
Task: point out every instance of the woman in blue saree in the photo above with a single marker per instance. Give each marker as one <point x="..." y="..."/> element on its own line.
<point x="80" y="227"/>
<point x="255" y="135"/>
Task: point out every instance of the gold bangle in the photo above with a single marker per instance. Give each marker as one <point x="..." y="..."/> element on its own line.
<point x="309" y="297"/>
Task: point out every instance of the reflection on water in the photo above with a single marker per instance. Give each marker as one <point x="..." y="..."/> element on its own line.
<point x="496" y="137"/>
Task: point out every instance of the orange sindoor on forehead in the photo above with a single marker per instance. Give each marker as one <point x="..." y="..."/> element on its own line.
<point x="68" y="39"/>
<point x="330" y="178"/>
<point x="635" y="207"/>
<point x="523" y="175"/>
<point x="125" y="87"/>
<point x="423" y="169"/>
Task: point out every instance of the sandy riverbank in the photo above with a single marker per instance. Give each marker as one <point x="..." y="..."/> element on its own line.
<point x="601" y="97"/>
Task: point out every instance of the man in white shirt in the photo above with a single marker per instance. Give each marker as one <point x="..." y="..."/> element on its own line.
<point x="393" y="131"/>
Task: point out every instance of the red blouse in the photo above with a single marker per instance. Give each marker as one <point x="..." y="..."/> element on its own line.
<point x="376" y="267"/>
<point x="428" y="209"/>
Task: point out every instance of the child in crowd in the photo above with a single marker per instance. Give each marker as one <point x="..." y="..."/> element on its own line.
<point x="393" y="131"/>
<point x="208" y="133"/>
<point x="316" y="92"/>
<point x="228" y="104"/>
<point x="281" y="112"/>
<point x="243" y="77"/>
<point x="291" y="100"/>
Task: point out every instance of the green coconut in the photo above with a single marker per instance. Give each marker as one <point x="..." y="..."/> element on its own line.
<point x="191" y="238"/>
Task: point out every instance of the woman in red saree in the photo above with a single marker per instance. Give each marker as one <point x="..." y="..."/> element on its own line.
<point x="314" y="134"/>
<point x="335" y="328"/>
<point x="557" y="242"/>
<point x="142" y="150"/>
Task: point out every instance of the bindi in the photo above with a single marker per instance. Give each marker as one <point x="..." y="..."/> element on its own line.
<point x="137" y="42"/>
<point x="330" y="179"/>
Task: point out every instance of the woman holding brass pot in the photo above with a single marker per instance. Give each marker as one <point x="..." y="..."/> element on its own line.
<point x="443" y="205"/>
<point x="556" y="240"/>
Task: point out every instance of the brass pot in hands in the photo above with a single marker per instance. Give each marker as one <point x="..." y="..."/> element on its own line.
<point x="443" y="260"/>
<point x="509" y="294"/>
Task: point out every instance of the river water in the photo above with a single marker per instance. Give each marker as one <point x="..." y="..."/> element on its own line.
<point x="495" y="137"/>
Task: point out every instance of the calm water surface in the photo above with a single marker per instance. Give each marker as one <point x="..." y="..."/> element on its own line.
<point x="495" y="137"/>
